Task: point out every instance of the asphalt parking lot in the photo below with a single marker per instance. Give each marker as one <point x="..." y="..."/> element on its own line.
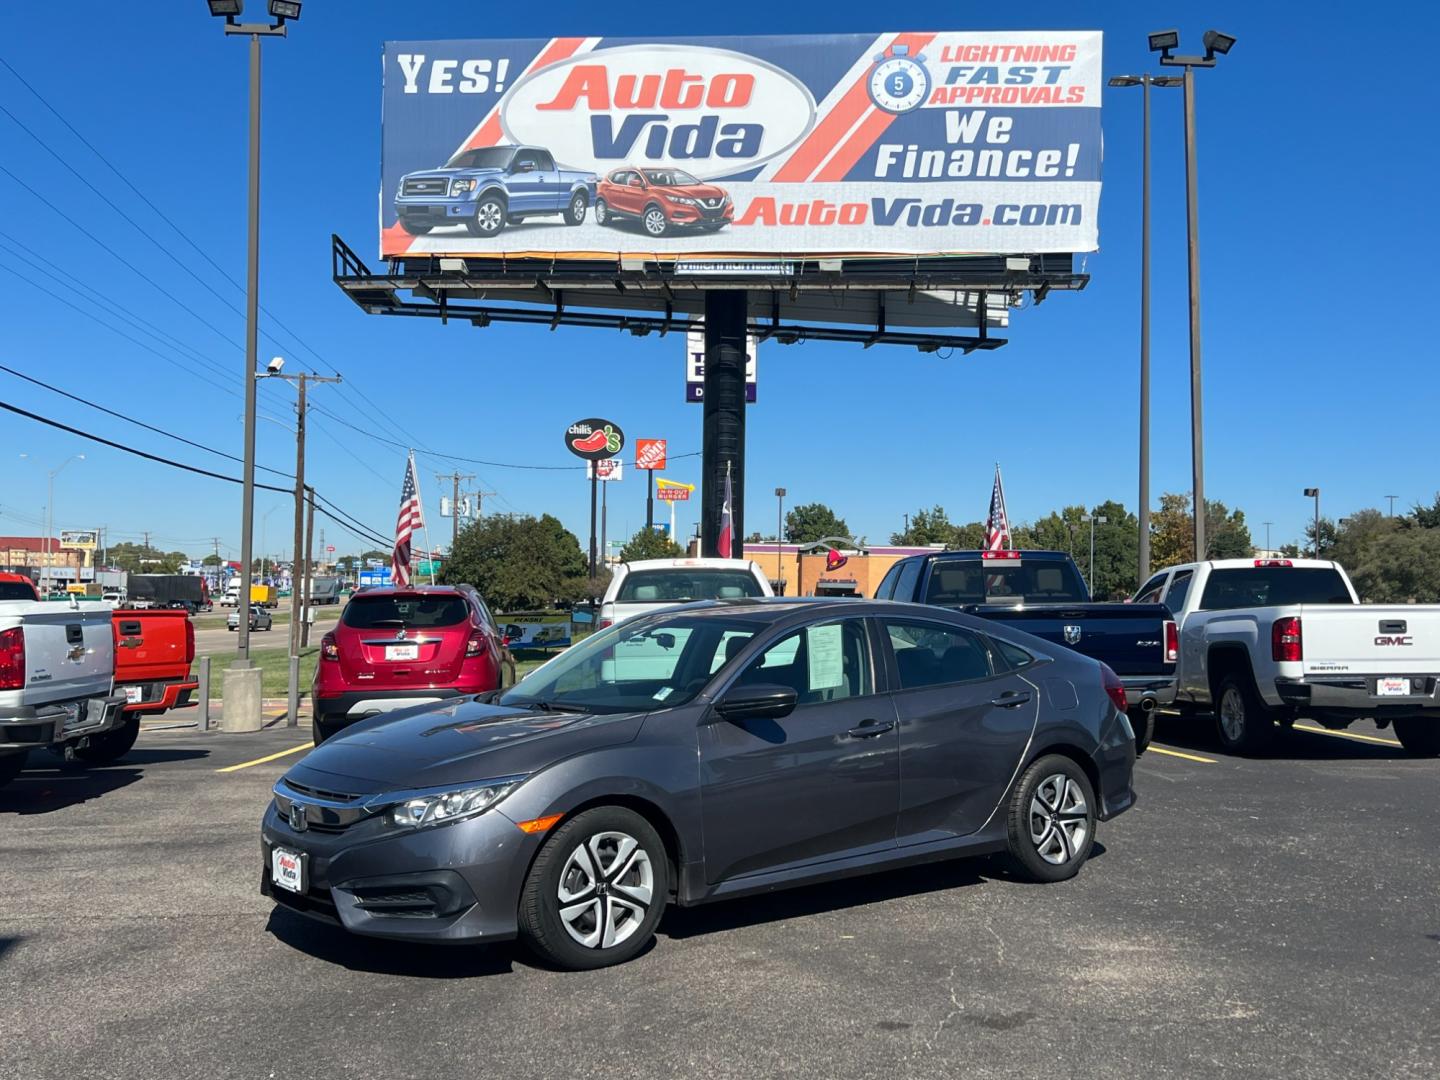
<point x="1276" y="917"/>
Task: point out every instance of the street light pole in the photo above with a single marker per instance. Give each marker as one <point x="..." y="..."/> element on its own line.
<point x="779" y="531"/>
<point x="1090" y="566"/>
<point x="1215" y="42"/>
<point x="1315" y="494"/>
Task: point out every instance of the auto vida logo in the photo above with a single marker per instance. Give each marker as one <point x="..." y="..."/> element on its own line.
<point x="711" y="112"/>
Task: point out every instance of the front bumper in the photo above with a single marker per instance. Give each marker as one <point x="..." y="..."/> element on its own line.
<point x="1352" y="697"/>
<point x="699" y="215"/>
<point x="57" y="723"/>
<point x="1159" y="689"/>
<point x="436" y="209"/>
<point x="445" y="883"/>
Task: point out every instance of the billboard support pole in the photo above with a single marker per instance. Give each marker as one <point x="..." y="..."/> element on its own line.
<point x="594" y="483"/>
<point x="726" y="315"/>
<point x="650" y="502"/>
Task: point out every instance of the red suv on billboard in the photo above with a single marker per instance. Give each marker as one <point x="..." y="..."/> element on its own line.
<point x="661" y="200"/>
<point x="394" y="648"/>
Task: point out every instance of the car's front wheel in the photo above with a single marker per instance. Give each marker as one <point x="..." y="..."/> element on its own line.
<point x="656" y="223"/>
<point x="576" y="214"/>
<point x="490" y="217"/>
<point x="111" y="745"/>
<point x="1243" y="723"/>
<point x="11" y="765"/>
<point x="1418" y="735"/>
<point x="596" y="891"/>
<point x="602" y="212"/>
<point x="1051" y="824"/>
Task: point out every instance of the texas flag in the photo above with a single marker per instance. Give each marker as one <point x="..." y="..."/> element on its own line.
<point x="727" y="522"/>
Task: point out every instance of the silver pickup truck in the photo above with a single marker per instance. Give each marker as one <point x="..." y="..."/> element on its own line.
<point x="57" y="675"/>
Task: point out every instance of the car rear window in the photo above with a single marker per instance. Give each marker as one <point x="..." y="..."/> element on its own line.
<point x="683" y="584"/>
<point x="1272" y="586"/>
<point x="369" y="612"/>
<point x="14" y="590"/>
<point x="957" y="582"/>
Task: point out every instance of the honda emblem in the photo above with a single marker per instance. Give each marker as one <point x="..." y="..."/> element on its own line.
<point x="298" y="821"/>
<point x="1072" y="635"/>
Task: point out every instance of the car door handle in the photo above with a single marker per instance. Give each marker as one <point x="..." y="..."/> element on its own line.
<point x="870" y="728"/>
<point x="1010" y="699"/>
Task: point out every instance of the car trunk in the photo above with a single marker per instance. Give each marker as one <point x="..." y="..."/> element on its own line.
<point x="69" y="652"/>
<point x="1129" y="638"/>
<point x="389" y="650"/>
<point x="1370" y="639"/>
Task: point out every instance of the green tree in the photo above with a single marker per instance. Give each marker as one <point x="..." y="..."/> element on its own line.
<point x="210" y="560"/>
<point x="813" y="521"/>
<point x="926" y="527"/>
<point x="1328" y="535"/>
<point x="650" y="544"/>
<point x="138" y="559"/>
<point x="1117" y="551"/>
<point x="1426" y="517"/>
<point x="1399" y="566"/>
<point x="1172" y="532"/>
<point x="519" y="562"/>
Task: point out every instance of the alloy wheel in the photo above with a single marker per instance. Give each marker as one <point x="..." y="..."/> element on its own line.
<point x="577" y="209"/>
<point x="600" y="211"/>
<point x="605" y="890"/>
<point x="489" y="217"/>
<point x="1232" y="716"/>
<point x="655" y="221"/>
<point x="1059" y="819"/>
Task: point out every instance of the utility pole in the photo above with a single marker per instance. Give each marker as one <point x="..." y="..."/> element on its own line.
<point x="455" y="478"/>
<point x="1392" y="499"/>
<point x="309" y="561"/>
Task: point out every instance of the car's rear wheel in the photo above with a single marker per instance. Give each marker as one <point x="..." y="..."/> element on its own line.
<point x="596" y="891"/>
<point x="1418" y="735"/>
<point x="490" y="217"/>
<point x="602" y="212"/>
<point x="414" y="228"/>
<point x="1142" y="722"/>
<point x="576" y="214"/>
<point x="655" y="221"/>
<point x="1051" y="824"/>
<point x="11" y="765"/>
<point x="1243" y="723"/>
<point x="111" y="745"/>
<point x="320" y="731"/>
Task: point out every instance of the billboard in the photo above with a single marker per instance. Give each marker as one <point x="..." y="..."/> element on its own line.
<point x="81" y="539"/>
<point x="907" y="143"/>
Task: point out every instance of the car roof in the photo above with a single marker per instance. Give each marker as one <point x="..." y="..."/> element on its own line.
<point x="689" y="564"/>
<point x="411" y="590"/>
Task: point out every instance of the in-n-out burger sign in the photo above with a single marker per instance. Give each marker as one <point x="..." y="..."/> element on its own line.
<point x="708" y="111"/>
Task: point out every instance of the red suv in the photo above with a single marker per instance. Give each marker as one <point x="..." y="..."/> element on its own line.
<point x="395" y="648"/>
<point x="662" y="199"/>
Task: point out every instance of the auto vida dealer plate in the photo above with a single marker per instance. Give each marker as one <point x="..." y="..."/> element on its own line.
<point x="402" y="652"/>
<point x="287" y="869"/>
<point x="1392" y="687"/>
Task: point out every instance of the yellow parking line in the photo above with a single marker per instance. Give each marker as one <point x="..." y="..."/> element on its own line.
<point x="1176" y="753"/>
<point x="1347" y="735"/>
<point x="267" y="757"/>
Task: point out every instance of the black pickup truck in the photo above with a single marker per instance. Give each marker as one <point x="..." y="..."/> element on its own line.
<point x="1042" y="593"/>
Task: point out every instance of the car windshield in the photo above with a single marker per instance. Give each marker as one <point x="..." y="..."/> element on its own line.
<point x="406" y="609"/>
<point x="956" y="582"/>
<point x="487" y="157"/>
<point x="670" y="177"/>
<point x="682" y="584"/>
<point x="653" y="662"/>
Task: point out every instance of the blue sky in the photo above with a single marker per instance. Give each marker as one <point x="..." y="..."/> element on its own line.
<point x="1313" y="157"/>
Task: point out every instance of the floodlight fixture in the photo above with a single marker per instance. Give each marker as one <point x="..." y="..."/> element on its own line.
<point x="284" y="9"/>
<point x="1311" y="493"/>
<point x="226" y="9"/>
<point x="1215" y="42"/>
<point x="1166" y="80"/>
<point x="276" y="365"/>
<point x="1163" y="41"/>
<point x="1125" y="80"/>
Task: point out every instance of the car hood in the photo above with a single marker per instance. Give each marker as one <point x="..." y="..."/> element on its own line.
<point x="426" y="173"/>
<point x="693" y="191"/>
<point x="460" y="741"/>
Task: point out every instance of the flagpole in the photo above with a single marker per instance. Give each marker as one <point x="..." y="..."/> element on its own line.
<point x="1005" y="510"/>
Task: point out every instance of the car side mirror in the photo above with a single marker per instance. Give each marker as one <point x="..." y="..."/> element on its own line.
<point x="762" y="701"/>
<point x="525" y="166"/>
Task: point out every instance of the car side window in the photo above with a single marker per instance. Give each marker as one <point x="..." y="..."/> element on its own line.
<point x="544" y="161"/>
<point x="930" y="654"/>
<point x="827" y="662"/>
<point x="523" y="158"/>
<point x="907" y="579"/>
<point x="1150" y="592"/>
<point x="1179" y="588"/>
<point x="1013" y="656"/>
<point x="887" y="583"/>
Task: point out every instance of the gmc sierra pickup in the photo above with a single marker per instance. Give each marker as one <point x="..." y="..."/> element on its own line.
<point x="1042" y="593"/>
<point x="1265" y="641"/>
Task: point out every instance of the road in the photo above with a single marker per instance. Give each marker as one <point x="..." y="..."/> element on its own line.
<point x="210" y="641"/>
<point x="1264" y="918"/>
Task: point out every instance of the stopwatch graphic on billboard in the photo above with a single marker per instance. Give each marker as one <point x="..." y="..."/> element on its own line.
<point x="923" y="143"/>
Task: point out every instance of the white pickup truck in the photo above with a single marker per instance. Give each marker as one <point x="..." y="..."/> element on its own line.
<point x="57" y="674"/>
<point x="1264" y="641"/>
<point x="651" y="584"/>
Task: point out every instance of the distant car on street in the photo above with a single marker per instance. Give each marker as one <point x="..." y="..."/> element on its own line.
<point x="779" y="743"/>
<point x="260" y="619"/>
<point x="662" y="200"/>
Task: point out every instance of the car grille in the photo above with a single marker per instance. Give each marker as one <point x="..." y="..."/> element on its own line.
<point x="396" y="902"/>
<point x="428" y="185"/>
<point x="319" y="817"/>
<point x="711" y="204"/>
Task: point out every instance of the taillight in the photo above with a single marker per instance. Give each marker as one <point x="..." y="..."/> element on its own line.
<point x="1114" y="688"/>
<point x="12" y="658"/>
<point x="328" y="649"/>
<point x="1286" y="641"/>
<point x="475" y="644"/>
<point x="1172" y="642"/>
<point x="606" y="622"/>
<point x="189" y="642"/>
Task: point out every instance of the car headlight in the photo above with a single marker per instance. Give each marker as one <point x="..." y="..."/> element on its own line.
<point x="439" y="806"/>
<point x="682" y="200"/>
<point x="460" y="187"/>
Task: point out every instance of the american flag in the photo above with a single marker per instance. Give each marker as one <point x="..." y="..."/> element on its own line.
<point x="997" y="529"/>
<point x="725" y="541"/>
<point x="411" y="517"/>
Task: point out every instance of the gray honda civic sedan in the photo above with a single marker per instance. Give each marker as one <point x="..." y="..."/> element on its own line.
<point x="702" y="753"/>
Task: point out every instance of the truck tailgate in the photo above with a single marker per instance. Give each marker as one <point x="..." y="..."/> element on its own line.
<point x="1370" y="639"/>
<point x="69" y="652"/>
<point x="1129" y="638"/>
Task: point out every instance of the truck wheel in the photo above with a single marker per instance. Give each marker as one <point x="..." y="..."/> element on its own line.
<point x="112" y="745"/>
<point x="1143" y="723"/>
<point x="656" y="224"/>
<point x="576" y="214"/>
<point x="602" y="212"/>
<point x="414" y="228"/>
<point x="1243" y="722"/>
<point x="11" y="766"/>
<point x="1051" y="823"/>
<point x="490" y="217"/>
<point x="1419" y="736"/>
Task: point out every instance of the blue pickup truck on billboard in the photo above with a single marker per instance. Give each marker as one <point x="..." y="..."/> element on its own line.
<point x="926" y="143"/>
